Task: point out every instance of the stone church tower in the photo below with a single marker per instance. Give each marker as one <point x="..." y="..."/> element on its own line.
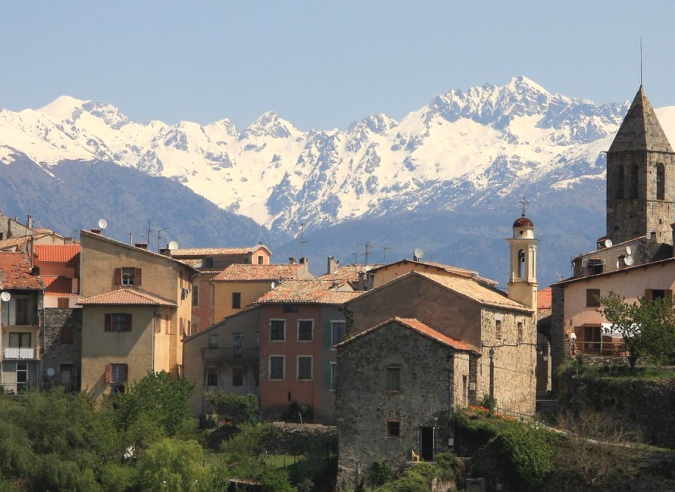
<point x="640" y="177"/>
<point x="522" y="284"/>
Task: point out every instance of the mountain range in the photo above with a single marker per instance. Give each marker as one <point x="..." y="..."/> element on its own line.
<point x="447" y="178"/>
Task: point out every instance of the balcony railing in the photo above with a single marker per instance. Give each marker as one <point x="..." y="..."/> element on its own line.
<point x="230" y="354"/>
<point x="19" y="353"/>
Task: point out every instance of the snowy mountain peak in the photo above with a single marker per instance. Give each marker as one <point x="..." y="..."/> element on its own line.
<point x="270" y="125"/>
<point x="376" y="123"/>
<point x="62" y="107"/>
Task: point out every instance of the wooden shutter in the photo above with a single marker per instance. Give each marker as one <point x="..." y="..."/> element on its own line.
<point x="127" y="322"/>
<point x="108" y="322"/>
<point x="118" y="276"/>
<point x="648" y="294"/>
<point x="137" y="277"/>
<point x="108" y="371"/>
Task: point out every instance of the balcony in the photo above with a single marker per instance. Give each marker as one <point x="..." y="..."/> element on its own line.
<point x="19" y="353"/>
<point x="230" y="354"/>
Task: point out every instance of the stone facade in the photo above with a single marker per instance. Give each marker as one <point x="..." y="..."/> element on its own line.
<point x="62" y="347"/>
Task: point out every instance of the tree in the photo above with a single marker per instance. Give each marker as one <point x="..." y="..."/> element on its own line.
<point x="237" y="408"/>
<point x="647" y="326"/>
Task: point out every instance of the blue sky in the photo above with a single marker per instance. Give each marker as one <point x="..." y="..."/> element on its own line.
<point x="323" y="65"/>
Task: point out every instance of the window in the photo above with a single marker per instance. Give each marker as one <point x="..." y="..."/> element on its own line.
<point x="393" y="428"/>
<point x="305" y="328"/>
<point x="520" y="332"/>
<point x="338" y="331"/>
<point x="651" y="294"/>
<point x="393" y="379"/>
<point x="592" y="337"/>
<point x="212" y="376"/>
<point x="291" y="308"/>
<point x="195" y="295"/>
<point x="278" y="329"/>
<point x="261" y="259"/>
<point x="521" y="263"/>
<point x="19" y="340"/>
<point x="237" y="376"/>
<point x="118" y="322"/>
<point x="116" y="373"/>
<point x="207" y="263"/>
<point x="238" y="345"/>
<point x="236" y="300"/>
<point x="21" y="376"/>
<point x="304" y="367"/>
<point x="277" y="367"/>
<point x="21" y="306"/>
<point x="63" y="303"/>
<point x="498" y="329"/>
<point x="592" y="297"/>
<point x="127" y="276"/>
<point x="66" y="336"/>
<point x="213" y="340"/>
<point x="660" y="181"/>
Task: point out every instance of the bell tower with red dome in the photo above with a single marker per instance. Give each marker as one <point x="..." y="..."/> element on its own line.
<point x="522" y="284"/>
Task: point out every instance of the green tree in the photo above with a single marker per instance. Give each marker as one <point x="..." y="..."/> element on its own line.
<point x="647" y="326"/>
<point x="172" y="465"/>
<point x="236" y="408"/>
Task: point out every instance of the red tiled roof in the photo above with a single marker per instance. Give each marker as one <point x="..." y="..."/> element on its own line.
<point x="440" y="266"/>
<point x="307" y="292"/>
<point x="239" y="272"/>
<point x="196" y="252"/>
<point x="56" y="253"/>
<point x="421" y="328"/>
<point x="57" y="285"/>
<point x="15" y="272"/>
<point x="348" y="272"/>
<point x="544" y="298"/>
<point x="131" y="297"/>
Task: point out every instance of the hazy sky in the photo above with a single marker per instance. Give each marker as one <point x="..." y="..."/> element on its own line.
<point x="324" y="64"/>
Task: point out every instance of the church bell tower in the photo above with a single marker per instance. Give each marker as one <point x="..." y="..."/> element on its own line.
<point x="640" y="177"/>
<point x="522" y="284"/>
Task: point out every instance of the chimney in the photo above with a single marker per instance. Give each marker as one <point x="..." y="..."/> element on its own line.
<point x="291" y="260"/>
<point x="29" y="222"/>
<point x="96" y="231"/>
<point x="141" y="245"/>
<point x="332" y="265"/>
<point x="165" y="252"/>
<point x="305" y="261"/>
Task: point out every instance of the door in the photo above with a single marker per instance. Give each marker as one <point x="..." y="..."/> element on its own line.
<point x="66" y="375"/>
<point x="427" y="443"/>
<point x="238" y="345"/>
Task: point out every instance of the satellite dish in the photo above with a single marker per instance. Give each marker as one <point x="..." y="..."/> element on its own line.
<point x="608" y="243"/>
<point x="5" y="296"/>
<point x="173" y="245"/>
<point x="418" y="253"/>
<point x="628" y="260"/>
<point x="50" y="371"/>
<point x="628" y="250"/>
<point x="102" y="223"/>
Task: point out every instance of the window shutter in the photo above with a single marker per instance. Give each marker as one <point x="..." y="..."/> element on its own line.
<point x="118" y="276"/>
<point x="327" y="335"/>
<point x="108" y="322"/>
<point x="326" y="376"/>
<point x="648" y="294"/>
<point x="137" y="277"/>
<point x="127" y="322"/>
<point x="108" y="370"/>
<point x="126" y="370"/>
<point x="669" y="295"/>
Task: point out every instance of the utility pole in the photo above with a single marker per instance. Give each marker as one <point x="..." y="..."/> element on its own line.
<point x="366" y="251"/>
<point x="492" y="381"/>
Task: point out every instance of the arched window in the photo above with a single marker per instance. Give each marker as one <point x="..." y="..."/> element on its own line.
<point x="634" y="181"/>
<point x="660" y="181"/>
<point x="521" y="262"/>
<point x="620" y="183"/>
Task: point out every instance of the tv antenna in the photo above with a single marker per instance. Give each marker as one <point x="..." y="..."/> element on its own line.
<point x="302" y="239"/>
<point x="384" y="255"/>
<point x="159" y="237"/>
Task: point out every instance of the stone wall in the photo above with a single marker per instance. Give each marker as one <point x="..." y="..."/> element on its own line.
<point x="62" y="344"/>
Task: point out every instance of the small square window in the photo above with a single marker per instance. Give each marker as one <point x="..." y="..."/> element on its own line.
<point x="278" y="329"/>
<point x="237" y="376"/>
<point x="393" y="379"/>
<point x="498" y="329"/>
<point x="592" y="297"/>
<point x="261" y="259"/>
<point x="304" y="368"/>
<point x="118" y="322"/>
<point x="393" y="428"/>
<point x="128" y="276"/>
<point x="236" y="300"/>
<point x="305" y="328"/>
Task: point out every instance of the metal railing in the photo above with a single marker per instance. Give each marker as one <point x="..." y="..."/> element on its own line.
<point x="229" y="354"/>
<point x="19" y="353"/>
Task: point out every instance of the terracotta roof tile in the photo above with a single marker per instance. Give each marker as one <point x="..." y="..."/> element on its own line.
<point x="15" y="272"/>
<point x="421" y="328"/>
<point x="55" y="286"/>
<point x="348" y="272"/>
<point x="197" y="252"/>
<point x="544" y="298"/>
<point x="56" y="253"/>
<point x="239" y="272"/>
<point x="129" y="297"/>
<point x="307" y="292"/>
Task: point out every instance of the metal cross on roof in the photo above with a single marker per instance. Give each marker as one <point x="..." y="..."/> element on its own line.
<point x="524" y="203"/>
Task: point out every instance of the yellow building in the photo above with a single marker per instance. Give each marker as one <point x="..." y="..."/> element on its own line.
<point x="136" y="311"/>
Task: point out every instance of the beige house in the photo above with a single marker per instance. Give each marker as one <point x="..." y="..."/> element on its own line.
<point x="136" y="310"/>
<point x="238" y="286"/>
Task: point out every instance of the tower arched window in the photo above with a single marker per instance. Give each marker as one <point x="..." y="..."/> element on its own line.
<point x="521" y="263"/>
<point x="660" y="181"/>
<point x="634" y="181"/>
<point x="620" y="183"/>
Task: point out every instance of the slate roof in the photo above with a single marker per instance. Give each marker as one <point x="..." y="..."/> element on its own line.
<point x="128" y="297"/>
<point x="15" y="272"/>
<point x="307" y="292"/>
<point x="240" y="272"/>
<point x="419" y="327"/>
<point x="57" y="253"/>
<point x="198" y="252"/>
<point x="57" y="286"/>
<point x="640" y="129"/>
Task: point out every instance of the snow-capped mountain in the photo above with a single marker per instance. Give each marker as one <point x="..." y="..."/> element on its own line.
<point x="464" y="151"/>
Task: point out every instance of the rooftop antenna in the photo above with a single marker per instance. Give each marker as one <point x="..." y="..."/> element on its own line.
<point x="366" y="251"/>
<point x="640" y="61"/>
<point x="524" y="202"/>
<point x="384" y="255"/>
<point x="302" y="239"/>
<point x="149" y="231"/>
<point x="159" y="237"/>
